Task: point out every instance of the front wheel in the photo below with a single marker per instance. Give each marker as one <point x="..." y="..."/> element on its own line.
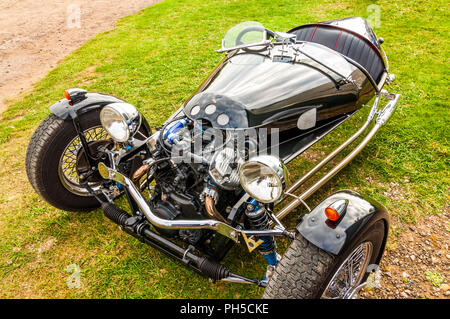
<point x="53" y="160"/>
<point x="306" y="271"/>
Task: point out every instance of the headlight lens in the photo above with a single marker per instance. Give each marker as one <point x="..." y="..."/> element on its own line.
<point x="262" y="177"/>
<point x="120" y="120"/>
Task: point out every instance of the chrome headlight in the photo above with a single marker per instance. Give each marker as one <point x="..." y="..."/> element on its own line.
<point x="263" y="178"/>
<point x="120" y="120"/>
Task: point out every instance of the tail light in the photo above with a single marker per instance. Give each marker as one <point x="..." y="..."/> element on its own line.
<point x="336" y="210"/>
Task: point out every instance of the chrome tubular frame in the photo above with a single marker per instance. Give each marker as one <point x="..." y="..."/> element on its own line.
<point x="382" y="117"/>
<point x="333" y="154"/>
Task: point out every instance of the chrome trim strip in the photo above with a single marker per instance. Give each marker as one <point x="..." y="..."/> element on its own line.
<point x="363" y="70"/>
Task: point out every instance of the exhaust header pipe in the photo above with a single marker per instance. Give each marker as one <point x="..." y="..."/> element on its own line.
<point x="220" y="227"/>
<point x="224" y="229"/>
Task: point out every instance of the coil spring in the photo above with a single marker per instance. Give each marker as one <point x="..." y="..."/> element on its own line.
<point x="259" y="220"/>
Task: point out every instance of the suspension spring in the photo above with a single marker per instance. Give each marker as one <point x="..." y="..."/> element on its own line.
<point x="258" y="220"/>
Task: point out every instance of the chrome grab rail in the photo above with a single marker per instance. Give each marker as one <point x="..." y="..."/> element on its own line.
<point x="381" y="119"/>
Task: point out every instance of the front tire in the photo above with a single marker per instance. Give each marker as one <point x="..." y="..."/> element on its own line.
<point x="307" y="271"/>
<point x="50" y="142"/>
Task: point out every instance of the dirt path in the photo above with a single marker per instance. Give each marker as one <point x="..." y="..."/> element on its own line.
<point x="35" y="35"/>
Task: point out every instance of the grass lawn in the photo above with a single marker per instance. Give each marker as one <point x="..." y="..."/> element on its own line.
<point x="155" y="60"/>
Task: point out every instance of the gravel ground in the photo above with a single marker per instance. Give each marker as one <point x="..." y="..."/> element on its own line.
<point x="417" y="263"/>
<point x="35" y="35"/>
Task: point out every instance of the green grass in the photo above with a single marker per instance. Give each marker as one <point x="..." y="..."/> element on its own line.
<point x="435" y="278"/>
<point x="155" y="60"/>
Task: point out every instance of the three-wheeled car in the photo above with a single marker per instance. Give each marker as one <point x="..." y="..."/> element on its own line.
<point x="215" y="173"/>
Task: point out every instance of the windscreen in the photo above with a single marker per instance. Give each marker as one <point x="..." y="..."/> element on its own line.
<point x="245" y="33"/>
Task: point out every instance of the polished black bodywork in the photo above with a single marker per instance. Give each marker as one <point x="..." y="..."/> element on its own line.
<point x="335" y="237"/>
<point x="255" y="90"/>
<point x="263" y="93"/>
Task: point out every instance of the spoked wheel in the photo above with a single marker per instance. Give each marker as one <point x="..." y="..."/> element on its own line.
<point x="73" y="160"/>
<point x="346" y="281"/>
<point x="307" y="271"/>
<point x="55" y="160"/>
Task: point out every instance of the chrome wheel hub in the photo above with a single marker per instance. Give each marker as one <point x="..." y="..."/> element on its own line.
<point x="67" y="168"/>
<point x="346" y="282"/>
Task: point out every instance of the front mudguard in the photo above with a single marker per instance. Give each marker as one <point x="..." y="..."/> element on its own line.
<point x="65" y="110"/>
<point x="361" y="213"/>
<point x="91" y="101"/>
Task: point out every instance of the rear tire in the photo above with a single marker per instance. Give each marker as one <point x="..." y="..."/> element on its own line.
<point x="43" y="156"/>
<point x="306" y="271"/>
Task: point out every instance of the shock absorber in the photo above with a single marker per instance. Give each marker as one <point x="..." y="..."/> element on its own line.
<point x="258" y="220"/>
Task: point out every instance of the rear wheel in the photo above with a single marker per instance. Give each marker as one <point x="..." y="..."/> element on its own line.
<point x="306" y="271"/>
<point x="53" y="160"/>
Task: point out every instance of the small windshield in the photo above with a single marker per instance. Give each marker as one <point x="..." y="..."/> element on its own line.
<point x="242" y="34"/>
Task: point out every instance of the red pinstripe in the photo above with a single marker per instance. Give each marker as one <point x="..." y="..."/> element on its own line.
<point x="337" y="41"/>
<point x="312" y="35"/>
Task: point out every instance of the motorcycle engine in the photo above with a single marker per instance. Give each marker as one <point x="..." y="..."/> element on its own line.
<point x="182" y="186"/>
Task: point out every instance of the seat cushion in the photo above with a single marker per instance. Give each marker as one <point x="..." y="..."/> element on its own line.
<point x="345" y="42"/>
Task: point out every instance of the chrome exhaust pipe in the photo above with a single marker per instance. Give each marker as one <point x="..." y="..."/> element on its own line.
<point x="224" y="229"/>
<point x="383" y="116"/>
<point x="220" y="227"/>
